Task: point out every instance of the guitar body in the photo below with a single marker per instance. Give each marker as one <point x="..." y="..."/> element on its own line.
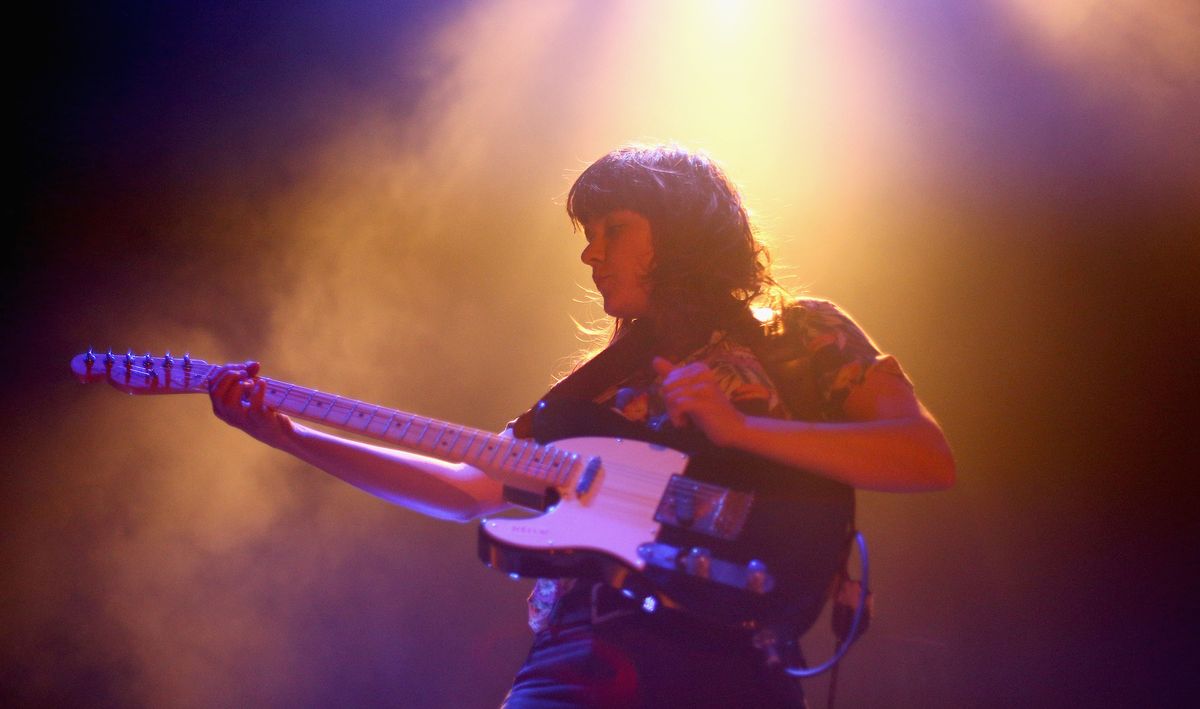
<point x="769" y="539"/>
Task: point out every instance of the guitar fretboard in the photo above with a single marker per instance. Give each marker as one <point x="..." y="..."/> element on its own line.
<point x="516" y="461"/>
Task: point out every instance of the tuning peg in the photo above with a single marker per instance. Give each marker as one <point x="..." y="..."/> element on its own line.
<point x="128" y="359"/>
<point x="148" y="362"/>
<point x="89" y="358"/>
<point x="187" y="361"/>
<point x="109" y="358"/>
<point x="167" y="361"/>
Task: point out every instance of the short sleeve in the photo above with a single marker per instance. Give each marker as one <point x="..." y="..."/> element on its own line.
<point x="818" y="355"/>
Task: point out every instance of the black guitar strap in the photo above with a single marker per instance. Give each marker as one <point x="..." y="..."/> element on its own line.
<point x="629" y="353"/>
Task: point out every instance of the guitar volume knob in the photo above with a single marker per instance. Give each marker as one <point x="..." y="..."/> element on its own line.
<point x="756" y="576"/>
<point x="698" y="562"/>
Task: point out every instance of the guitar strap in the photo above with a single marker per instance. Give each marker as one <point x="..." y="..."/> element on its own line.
<point x="629" y="353"/>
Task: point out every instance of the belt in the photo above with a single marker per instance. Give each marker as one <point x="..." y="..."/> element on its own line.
<point x="600" y="604"/>
<point x="593" y="605"/>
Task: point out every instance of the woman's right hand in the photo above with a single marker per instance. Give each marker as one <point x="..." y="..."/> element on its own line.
<point x="237" y="396"/>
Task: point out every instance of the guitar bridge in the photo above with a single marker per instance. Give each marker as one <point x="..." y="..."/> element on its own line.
<point x="704" y="508"/>
<point x="698" y="562"/>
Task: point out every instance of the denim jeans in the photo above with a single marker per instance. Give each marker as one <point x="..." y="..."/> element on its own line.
<point x="635" y="661"/>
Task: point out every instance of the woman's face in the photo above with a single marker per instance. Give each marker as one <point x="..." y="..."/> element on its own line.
<point x="619" y="252"/>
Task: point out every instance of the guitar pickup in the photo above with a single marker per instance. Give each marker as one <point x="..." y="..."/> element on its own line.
<point x="588" y="478"/>
<point x="704" y="508"/>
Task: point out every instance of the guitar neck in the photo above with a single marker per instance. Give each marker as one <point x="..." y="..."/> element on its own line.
<point x="516" y="462"/>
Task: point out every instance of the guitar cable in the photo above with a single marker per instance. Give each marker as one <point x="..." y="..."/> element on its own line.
<point x="854" y="632"/>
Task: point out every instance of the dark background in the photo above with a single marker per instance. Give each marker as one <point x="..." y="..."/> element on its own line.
<point x="364" y="197"/>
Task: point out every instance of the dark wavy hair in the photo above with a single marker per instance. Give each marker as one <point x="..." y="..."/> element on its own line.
<point x="708" y="266"/>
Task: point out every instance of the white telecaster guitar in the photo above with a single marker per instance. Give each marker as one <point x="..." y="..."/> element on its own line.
<point x="727" y="537"/>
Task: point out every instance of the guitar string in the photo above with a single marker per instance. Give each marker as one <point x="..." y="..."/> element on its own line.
<point x="538" y="464"/>
<point x="479" y="443"/>
<point x="540" y="467"/>
<point x="642" y="488"/>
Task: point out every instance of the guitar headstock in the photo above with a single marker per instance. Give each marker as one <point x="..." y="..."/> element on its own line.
<point x="141" y="374"/>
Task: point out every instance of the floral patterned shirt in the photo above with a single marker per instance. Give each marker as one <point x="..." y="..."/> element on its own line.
<point x="819" y="355"/>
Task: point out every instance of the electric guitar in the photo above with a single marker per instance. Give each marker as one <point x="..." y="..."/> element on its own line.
<point x="665" y="517"/>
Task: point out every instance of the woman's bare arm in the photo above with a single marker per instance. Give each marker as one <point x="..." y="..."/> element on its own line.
<point x="430" y="486"/>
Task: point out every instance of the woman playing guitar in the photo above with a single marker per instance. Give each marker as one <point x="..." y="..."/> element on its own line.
<point x="675" y="259"/>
